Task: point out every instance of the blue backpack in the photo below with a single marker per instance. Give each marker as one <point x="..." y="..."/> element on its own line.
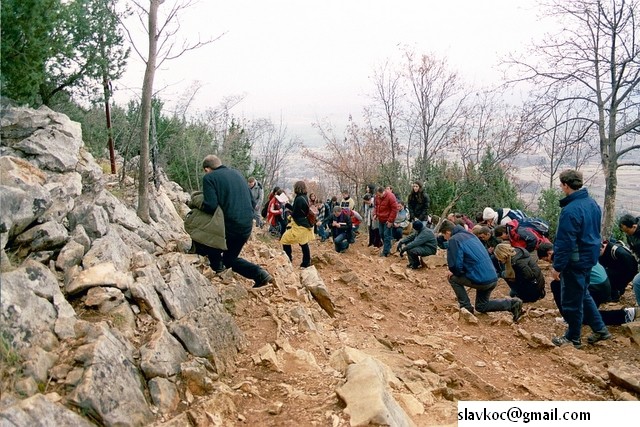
<point x="538" y="224"/>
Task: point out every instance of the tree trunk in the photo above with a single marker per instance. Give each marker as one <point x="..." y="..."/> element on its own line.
<point x="145" y="107"/>
<point x="107" y="97"/>
<point x="611" y="185"/>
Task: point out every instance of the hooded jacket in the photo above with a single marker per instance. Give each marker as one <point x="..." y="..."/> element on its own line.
<point x="529" y="280"/>
<point x="467" y="256"/>
<point x="424" y="238"/>
<point x="257" y="194"/>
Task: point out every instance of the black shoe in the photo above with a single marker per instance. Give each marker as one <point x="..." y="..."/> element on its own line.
<point x="415" y="267"/>
<point x="219" y="268"/>
<point x="264" y="282"/>
<point x="599" y="336"/>
<point x="305" y="265"/>
<point x="516" y="309"/>
<point x="562" y="341"/>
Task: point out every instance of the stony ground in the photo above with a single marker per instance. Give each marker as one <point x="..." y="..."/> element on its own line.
<point x="408" y="317"/>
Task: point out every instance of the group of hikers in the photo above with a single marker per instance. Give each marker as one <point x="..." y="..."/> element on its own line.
<point x="586" y="272"/>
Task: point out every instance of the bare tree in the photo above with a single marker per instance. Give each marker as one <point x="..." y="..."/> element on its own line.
<point x="162" y="47"/>
<point x="354" y="160"/>
<point x="387" y="100"/>
<point x="273" y="147"/>
<point x="488" y="124"/>
<point x="436" y="101"/>
<point x="565" y="142"/>
<point x="594" y="59"/>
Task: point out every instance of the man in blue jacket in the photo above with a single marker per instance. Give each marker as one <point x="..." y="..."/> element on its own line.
<point x="470" y="266"/>
<point x="225" y="188"/>
<point x="576" y="250"/>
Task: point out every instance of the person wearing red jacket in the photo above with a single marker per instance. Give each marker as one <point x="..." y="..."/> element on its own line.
<point x="386" y="209"/>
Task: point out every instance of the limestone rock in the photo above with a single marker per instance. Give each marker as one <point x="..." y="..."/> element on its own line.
<point x="468" y="317"/>
<point x="626" y="376"/>
<point x="162" y="355"/>
<point x="104" y="274"/>
<point x="367" y="398"/>
<point x="111" y="388"/>
<point x="164" y="394"/>
<point x="38" y="411"/>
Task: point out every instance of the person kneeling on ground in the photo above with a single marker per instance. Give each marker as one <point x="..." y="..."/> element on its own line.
<point x="521" y="272"/>
<point x="341" y="229"/>
<point x="598" y="289"/>
<point x="470" y="266"/>
<point x="421" y="242"/>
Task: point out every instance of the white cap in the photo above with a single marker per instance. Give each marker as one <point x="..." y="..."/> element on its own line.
<point x="489" y="213"/>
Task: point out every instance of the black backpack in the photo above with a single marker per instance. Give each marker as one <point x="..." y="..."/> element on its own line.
<point x="263" y="212"/>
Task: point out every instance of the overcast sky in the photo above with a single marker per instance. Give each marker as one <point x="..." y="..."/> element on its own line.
<point x="305" y="60"/>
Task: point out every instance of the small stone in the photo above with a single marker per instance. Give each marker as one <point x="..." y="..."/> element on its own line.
<point x="275" y="408"/>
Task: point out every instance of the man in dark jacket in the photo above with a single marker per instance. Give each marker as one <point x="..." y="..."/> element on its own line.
<point x="576" y="250"/>
<point x="257" y="194"/>
<point x="631" y="227"/>
<point x="620" y="265"/>
<point x="421" y="242"/>
<point x="225" y="188"/>
<point x="341" y="229"/>
<point x="470" y="266"/>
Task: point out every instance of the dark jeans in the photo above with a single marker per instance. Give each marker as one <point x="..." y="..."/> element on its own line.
<point x="231" y="258"/>
<point x="609" y="317"/>
<point x="577" y="305"/>
<point x="374" y="237"/>
<point x="386" y="236"/>
<point x="414" y="255"/>
<point x="396" y="233"/>
<point x="483" y="294"/>
<point x="341" y="242"/>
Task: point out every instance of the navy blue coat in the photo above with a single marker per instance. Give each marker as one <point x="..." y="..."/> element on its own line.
<point x="467" y="256"/>
<point x="227" y="188"/>
<point x="577" y="243"/>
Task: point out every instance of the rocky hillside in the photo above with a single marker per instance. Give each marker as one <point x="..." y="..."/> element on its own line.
<point x="107" y="320"/>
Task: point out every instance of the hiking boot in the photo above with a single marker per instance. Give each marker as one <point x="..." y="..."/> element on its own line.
<point x="516" y="309"/>
<point x="599" y="336"/>
<point x="264" y="282"/>
<point x="562" y="341"/>
<point x="631" y="314"/>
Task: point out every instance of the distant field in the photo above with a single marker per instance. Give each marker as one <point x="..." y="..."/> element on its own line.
<point x="627" y="197"/>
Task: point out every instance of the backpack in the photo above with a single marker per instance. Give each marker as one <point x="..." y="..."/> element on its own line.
<point x="525" y="237"/>
<point x="516" y="214"/>
<point x="265" y="208"/>
<point x="538" y="224"/>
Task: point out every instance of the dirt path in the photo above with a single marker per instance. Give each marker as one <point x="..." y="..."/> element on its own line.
<point x="408" y="319"/>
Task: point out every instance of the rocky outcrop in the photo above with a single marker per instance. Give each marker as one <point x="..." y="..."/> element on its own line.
<point x="84" y="278"/>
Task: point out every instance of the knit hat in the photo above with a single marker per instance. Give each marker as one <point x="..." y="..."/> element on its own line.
<point x="489" y="213"/>
<point x="417" y="225"/>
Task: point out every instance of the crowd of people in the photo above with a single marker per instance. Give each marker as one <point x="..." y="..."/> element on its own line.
<point x="586" y="270"/>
